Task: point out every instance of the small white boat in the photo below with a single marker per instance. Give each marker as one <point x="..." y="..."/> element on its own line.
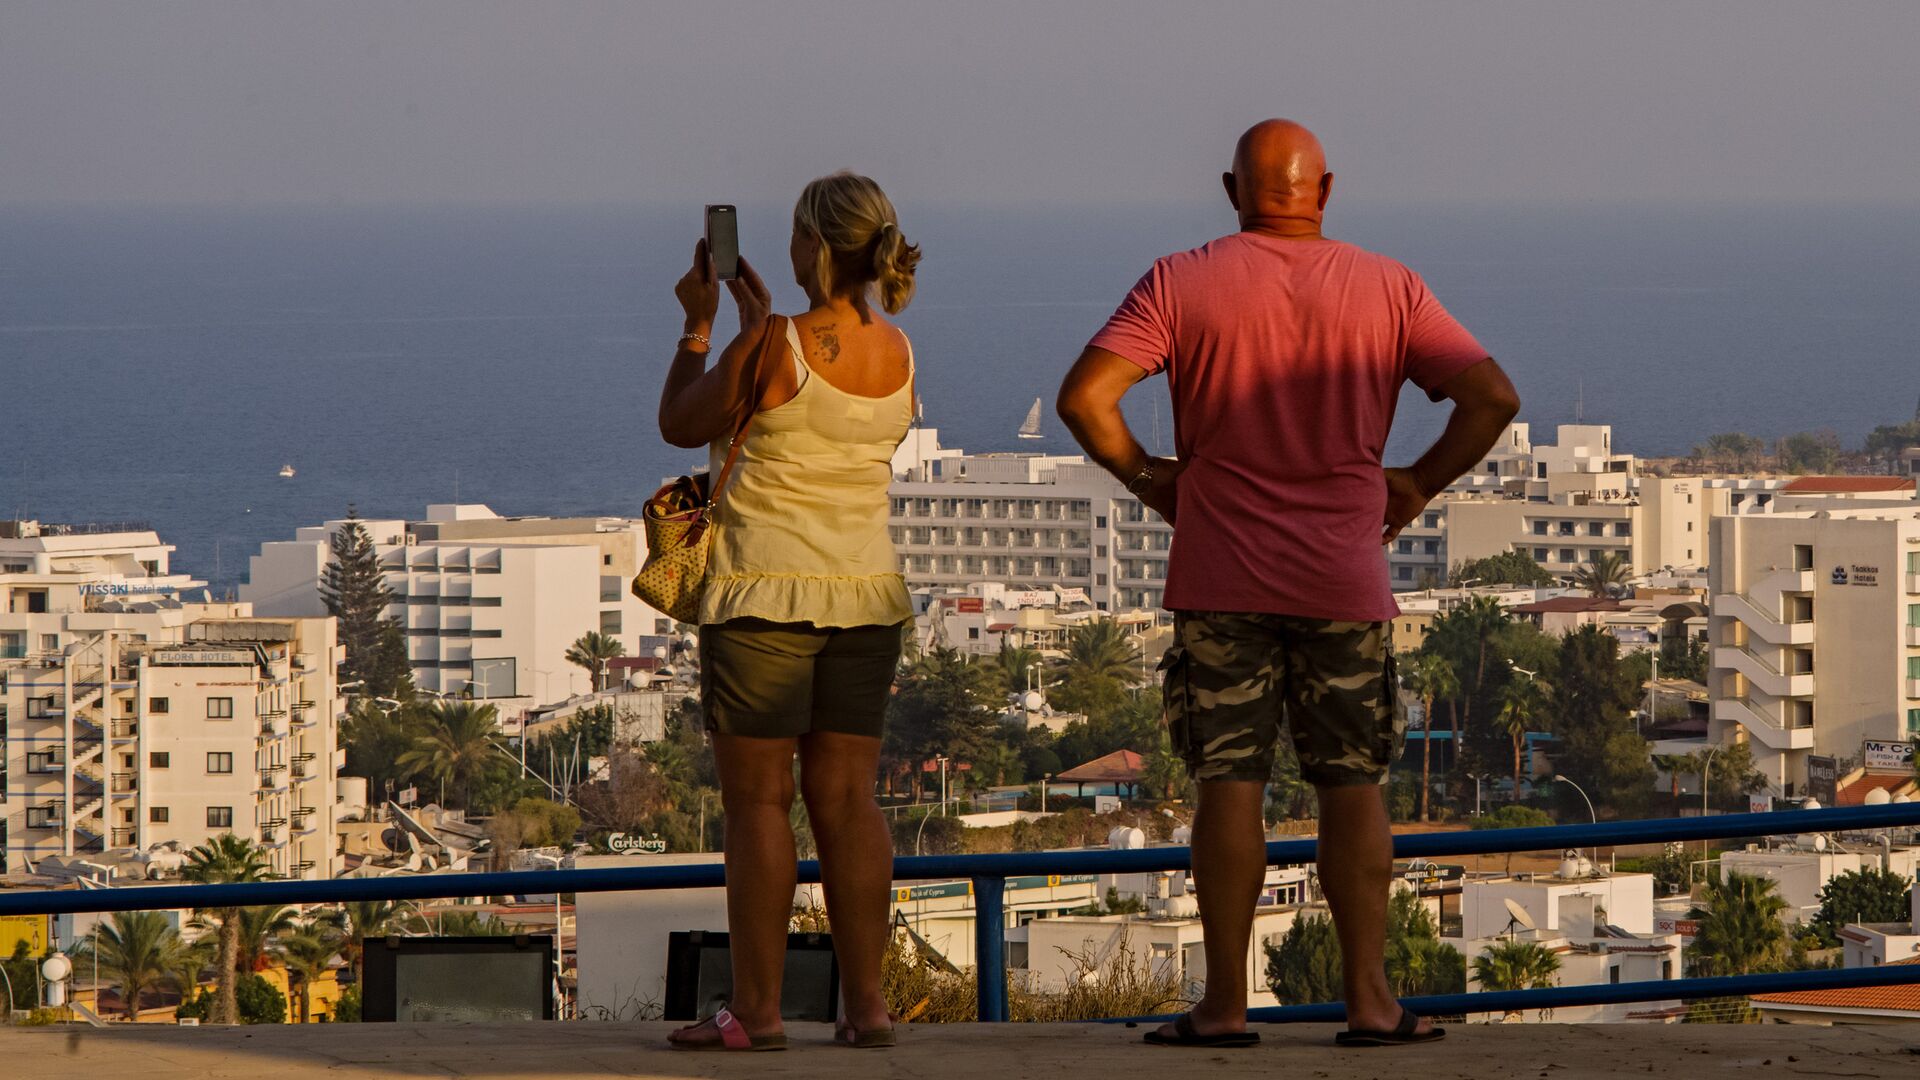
<point x="1031" y="428"/>
<point x="286" y="472"/>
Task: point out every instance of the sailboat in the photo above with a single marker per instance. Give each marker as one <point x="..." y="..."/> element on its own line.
<point x="1031" y="428"/>
<point x="286" y="472"/>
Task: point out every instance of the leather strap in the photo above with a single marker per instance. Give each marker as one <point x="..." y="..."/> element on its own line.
<point x="774" y="337"/>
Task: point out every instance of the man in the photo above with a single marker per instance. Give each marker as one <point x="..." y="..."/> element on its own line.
<point x="1285" y="353"/>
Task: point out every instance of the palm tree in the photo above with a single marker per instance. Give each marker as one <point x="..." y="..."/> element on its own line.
<point x="223" y="860"/>
<point x="462" y="923"/>
<point x="1605" y="575"/>
<point x="1516" y="965"/>
<point x="1164" y="771"/>
<point x="353" y="922"/>
<point x="1014" y="662"/>
<point x="136" y="950"/>
<point x="1740" y="929"/>
<point x="258" y="927"/>
<point x="992" y="766"/>
<point x="592" y="650"/>
<point x="1522" y="701"/>
<point x="308" y="952"/>
<point x="1099" y="649"/>
<point x="455" y="746"/>
<point x="188" y="964"/>
<point x="1432" y="678"/>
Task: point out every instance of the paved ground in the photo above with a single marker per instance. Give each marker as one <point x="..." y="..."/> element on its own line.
<point x="1005" y="1052"/>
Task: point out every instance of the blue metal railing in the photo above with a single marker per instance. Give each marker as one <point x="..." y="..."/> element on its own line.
<point x="989" y="873"/>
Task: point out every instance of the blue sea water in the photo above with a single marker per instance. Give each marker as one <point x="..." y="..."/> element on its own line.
<point x="162" y="364"/>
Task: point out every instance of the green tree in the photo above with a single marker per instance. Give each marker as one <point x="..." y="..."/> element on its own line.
<point x="1431" y="677"/>
<point x="136" y="951"/>
<point x="533" y="823"/>
<point x="591" y="651"/>
<point x="376" y="738"/>
<point x="1683" y="657"/>
<point x="1810" y="453"/>
<point x="1740" y="930"/>
<point x="1471" y="638"/>
<point x="1506" y="568"/>
<point x="1513" y="816"/>
<point x="1861" y="896"/>
<point x="1887" y="442"/>
<point x="1606" y="575"/>
<point x="308" y="952"/>
<point x="1523" y="704"/>
<point x="256" y="1001"/>
<point x="1100" y="667"/>
<point x="356" y="593"/>
<point x="1012" y="665"/>
<point x="1164" y="771"/>
<point x="1305" y="967"/>
<point x="1732" y="452"/>
<point x="1418" y="962"/>
<point x="939" y="707"/>
<point x="454" y="746"/>
<point x="1592" y="708"/>
<point x="225" y="859"/>
<point x="1516" y="965"/>
<point x="22" y="970"/>
<point x="460" y="922"/>
<point x="354" y="921"/>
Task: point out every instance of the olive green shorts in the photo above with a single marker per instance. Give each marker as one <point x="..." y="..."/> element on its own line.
<point x="781" y="680"/>
<point x="1232" y="680"/>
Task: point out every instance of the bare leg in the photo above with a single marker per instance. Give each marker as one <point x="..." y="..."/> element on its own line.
<point x="756" y="787"/>
<point x="1356" y="868"/>
<point x="837" y="774"/>
<point x="1229" y="865"/>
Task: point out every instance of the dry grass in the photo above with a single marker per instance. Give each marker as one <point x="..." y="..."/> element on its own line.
<point x="919" y="991"/>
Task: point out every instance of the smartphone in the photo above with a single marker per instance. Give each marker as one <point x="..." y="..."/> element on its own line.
<point x="723" y="241"/>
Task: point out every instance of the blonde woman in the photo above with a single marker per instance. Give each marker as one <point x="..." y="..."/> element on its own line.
<point x="804" y="614"/>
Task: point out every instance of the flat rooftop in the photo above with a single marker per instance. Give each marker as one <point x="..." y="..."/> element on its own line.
<point x="999" y="1052"/>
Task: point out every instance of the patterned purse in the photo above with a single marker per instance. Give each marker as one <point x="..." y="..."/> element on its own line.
<point x="679" y="517"/>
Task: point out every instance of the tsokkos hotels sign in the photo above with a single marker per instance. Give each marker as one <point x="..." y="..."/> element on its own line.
<point x="624" y="844"/>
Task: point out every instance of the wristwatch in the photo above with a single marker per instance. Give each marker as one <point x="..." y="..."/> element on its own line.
<point x="1142" y="481"/>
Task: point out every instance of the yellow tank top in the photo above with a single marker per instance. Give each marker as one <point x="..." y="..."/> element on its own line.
<point x="801" y="535"/>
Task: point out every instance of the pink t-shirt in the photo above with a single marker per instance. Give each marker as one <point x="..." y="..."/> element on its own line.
<point x="1285" y="359"/>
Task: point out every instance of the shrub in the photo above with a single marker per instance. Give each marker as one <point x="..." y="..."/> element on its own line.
<point x="1513" y="816"/>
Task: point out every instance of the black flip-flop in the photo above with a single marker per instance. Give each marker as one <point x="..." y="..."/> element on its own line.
<point x="1403" y="1034"/>
<point x="1184" y="1035"/>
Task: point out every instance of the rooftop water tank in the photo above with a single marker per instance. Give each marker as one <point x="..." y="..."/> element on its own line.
<point x="1126" y="838"/>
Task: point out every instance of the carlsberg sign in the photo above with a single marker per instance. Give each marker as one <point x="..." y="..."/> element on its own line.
<point x="627" y="844"/>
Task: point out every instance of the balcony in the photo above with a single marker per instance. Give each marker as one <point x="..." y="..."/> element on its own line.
<point x="1913" y="689"/>
<point x="125" y="783"/>
<point x="1763" y="674"/>
<point x="1913" y="584"/>
<point x="1913" y="637"/>
<point x="125" y="729"/>
<point x="1762" y="725"/>
<point x="1763" y="623"/>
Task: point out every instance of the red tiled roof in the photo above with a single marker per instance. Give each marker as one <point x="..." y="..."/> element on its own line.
<point x="1568" y="604"/>
<point x="1883" y="998"/>
<point x="1855" y="794"/>
<point x="1121" y="766"/>
<point x="1835" y="485"/>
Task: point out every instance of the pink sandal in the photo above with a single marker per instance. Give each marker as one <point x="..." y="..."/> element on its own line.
<point x="733" y="1036"/>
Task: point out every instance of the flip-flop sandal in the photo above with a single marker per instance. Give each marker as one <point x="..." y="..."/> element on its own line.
<point x="733" y="1036"/>
<point x="1185" y="1035"/>
<point x="847" y="1035"/>
<point x="1403" y="1034"/>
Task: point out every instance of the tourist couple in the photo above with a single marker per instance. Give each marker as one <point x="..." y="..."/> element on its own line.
<point x="1285" y="354"/>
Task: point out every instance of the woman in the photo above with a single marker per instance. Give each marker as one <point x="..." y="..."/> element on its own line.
<point x="805" y="611"/>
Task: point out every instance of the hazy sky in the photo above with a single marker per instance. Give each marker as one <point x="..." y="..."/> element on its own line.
<point x="459" y="100"/>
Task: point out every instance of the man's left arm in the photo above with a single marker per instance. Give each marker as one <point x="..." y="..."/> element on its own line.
<point x="1484" y="403"/>
<point x="1089" y="404"/>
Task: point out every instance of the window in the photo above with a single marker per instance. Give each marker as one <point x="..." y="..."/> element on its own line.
<point x="1539" y="554"/>
<point x="159" y="759"/>
<point x="1432" y="547"/>
<point x="663" y="626"/>
<point x="973" y="633"/>
<point x="219" y="761"/>
<point x="1100" y="551"/>
<point x="1596" y="528"/>
<point x="1539" y="528"/>
<point x="1566" y="554"/>
<point x="1913" y="614"/>
<point x="1624" y="528"/>
<point x="1689" y="526"/>
<point x="1913" y="667"/>
<point x="1100" y="523"/>
<point x="157" y="705"/>
<point x="1099" y="579"/>
<point x="606" y="560"/>
<point x="219" y="817"/>
<point x="1913" y="722"/>
<point x="610" y="622"/>
<point x="49" y="642"/>
<point x="1405" y="547"/>
<point x="610" y="588"/>
<point x="1431" y="521"/>
<point x="1613" y="973"/>
<point x="40" y="708"/>
<point x="1403" y="573"/>
<point x="219" y="708"/>
<point x="157" y="815"/>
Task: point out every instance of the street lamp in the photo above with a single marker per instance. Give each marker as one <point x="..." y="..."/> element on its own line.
<point x="1706" y="770"/>
<point x="1476" y="778"/>
<point x="559" y="992"/>
<point x="1595" y="818"/>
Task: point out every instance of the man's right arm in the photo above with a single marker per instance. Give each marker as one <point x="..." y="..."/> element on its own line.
<point x="1089" y="404"/>
<point x="1484" y="403"/>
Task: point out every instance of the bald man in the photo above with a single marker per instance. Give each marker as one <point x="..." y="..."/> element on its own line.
<point x="1285" y="353"/>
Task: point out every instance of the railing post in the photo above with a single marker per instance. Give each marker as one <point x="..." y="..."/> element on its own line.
<point x="990" y="947"/>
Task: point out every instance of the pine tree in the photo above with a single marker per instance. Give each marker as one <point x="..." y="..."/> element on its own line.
<point x="356" y="594"/>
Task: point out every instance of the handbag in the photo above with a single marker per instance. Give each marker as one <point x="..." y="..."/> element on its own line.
<point x="679" y="517"/>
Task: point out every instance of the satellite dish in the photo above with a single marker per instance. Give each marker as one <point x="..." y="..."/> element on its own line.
<point x="1517" y="916"/>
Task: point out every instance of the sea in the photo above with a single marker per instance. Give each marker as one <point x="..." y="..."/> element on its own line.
<point x="160" y="365"/>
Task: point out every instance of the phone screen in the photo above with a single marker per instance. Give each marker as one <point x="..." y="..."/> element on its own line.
<point x="723" y="241"/>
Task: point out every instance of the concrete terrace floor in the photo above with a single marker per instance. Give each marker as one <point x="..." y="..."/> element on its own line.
<point x="1000" y="1052"/>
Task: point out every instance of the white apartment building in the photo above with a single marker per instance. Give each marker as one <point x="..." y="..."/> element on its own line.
<point x="1030" y="521"/>
<point x="1815" y="635"/>
<point x="132" y="719"/>
<point x="489" y="604"/>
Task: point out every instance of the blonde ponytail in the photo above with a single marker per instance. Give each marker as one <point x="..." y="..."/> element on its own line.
<point x="860" y="241"/>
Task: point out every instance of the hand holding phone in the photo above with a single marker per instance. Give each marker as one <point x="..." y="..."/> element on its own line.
<point x="723" y="241"/>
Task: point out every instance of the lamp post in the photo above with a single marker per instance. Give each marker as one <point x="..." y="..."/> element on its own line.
<point x="1594" y="817"/>
<point x="1706" y="770"/>
<point x="559" y="991"/>
<point x="1476" y="778"/>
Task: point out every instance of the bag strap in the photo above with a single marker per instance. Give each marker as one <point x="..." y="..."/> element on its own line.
<point x="760" y="364"/>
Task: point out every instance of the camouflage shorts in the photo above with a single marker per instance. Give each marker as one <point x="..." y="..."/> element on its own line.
<point x="1233" y="678"/>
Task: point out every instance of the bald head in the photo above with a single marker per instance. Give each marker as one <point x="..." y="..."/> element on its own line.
<point x="1279" y="181"/>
